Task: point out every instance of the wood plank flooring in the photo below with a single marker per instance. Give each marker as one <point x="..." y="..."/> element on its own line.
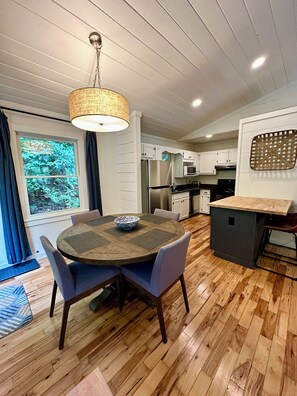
<point x="240" y="337"/>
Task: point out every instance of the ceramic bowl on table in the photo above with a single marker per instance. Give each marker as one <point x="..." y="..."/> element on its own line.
<point x="127" y="223"/>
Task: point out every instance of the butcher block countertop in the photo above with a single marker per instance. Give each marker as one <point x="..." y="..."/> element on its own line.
<point x="253" y="204"/>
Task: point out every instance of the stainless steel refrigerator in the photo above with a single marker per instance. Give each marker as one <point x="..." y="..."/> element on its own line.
<point x="156" y="180"/>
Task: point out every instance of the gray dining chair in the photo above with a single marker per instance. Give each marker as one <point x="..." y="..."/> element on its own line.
<point x="155" y="277"/>
<point x="76" y="281"/>
<point x="81" y="217"/>
<point x="167" y="214"/>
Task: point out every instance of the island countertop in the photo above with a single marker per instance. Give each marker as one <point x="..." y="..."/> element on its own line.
<point x="254" y="204"/>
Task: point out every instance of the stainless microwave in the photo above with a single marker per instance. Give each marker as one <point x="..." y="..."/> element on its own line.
<point x="190" y="170"/>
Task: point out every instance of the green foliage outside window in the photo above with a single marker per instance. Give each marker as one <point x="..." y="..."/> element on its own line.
<point x="50" y="173"/>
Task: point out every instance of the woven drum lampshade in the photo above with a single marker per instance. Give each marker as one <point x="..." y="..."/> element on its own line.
<point x="98" y="110"/>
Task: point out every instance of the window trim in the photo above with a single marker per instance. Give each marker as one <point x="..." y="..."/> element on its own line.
<point x="40" y="218"/>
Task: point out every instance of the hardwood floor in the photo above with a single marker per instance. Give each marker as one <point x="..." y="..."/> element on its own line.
<point x="240" y="337"/>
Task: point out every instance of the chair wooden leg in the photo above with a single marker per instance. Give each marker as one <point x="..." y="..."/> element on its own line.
<point x="183" y="285"/>
<point x="158" y="303"/>
<point x="54" y="293"/>
<point x="64" y="324"/>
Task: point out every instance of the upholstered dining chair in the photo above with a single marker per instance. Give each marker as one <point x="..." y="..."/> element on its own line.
<point x="91" y="215"/>
<point x="76" y="281"/>
<point x="167" y="214"/>
<point x="155" y="277"/>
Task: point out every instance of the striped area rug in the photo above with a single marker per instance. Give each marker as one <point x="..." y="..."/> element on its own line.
<point x="15" y="310"/>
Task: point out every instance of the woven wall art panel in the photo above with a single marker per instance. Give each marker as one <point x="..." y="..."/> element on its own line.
<point x="274" y="151"/>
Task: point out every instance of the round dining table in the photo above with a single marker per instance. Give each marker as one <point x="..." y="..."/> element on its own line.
<point x="101" y="242"/>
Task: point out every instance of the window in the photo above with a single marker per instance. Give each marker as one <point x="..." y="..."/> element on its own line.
<point x="50" y="172"/>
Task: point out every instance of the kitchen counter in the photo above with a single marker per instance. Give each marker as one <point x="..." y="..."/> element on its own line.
<point x="253" y="204"/>
<point x="177" y="191"/>
<point x="190" y="187"/>
<point x="237" y="226"/>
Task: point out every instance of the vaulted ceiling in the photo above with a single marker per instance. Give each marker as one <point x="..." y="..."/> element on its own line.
<point x="160" y="54"/>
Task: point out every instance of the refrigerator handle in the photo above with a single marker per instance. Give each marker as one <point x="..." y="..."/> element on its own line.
<point x="169" y="173"/>
<point x="149" y="183"/>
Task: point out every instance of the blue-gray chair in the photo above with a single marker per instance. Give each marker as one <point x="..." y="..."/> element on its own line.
<point x="76" y="281"/>
<point x="81" y="217"/>
<point x="167" y="214"/>
<point x="155" y="277"/>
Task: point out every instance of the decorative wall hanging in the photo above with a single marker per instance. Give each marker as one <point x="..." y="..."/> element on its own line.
<point x="274" y="151"/>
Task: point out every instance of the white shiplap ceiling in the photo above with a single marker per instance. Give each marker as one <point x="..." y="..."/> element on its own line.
<point x="160" y="54"/>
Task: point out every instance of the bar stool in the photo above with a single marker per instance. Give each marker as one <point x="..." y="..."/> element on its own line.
<point x="286" y="224"/>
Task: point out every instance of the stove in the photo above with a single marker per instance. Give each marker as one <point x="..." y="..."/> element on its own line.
<point x="225" y="188"/>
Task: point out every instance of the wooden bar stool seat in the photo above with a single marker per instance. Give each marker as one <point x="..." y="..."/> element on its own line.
<point x="286" y="224"/>
<point x="283" y="224"/>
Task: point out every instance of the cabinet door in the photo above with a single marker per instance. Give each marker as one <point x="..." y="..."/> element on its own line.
<point x="185" y="208"/>
<point x="197" y="162"/>
<point x="181" y="204"/>
<point x="204" y="201"/>
<point x="207" y="163"/>
<point x="233" y="155"/>
<point x="222" y="157"/>
<point x="159" y="152"/>
<point x="148" y="151"/>
<point x="178" y="169"/>
<point x="177" y="206"/>
<point x="189" y="155"/>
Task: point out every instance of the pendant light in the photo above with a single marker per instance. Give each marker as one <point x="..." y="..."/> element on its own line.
<point x="98" y="109"/>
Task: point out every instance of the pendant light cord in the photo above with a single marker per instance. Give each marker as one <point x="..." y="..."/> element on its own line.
<point x="97" y="71"/>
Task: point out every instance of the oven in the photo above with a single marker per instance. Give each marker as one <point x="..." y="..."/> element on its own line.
<point x="225" y="188"/>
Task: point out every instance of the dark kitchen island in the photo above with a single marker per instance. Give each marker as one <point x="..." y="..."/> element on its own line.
<point x="237" y="226"/>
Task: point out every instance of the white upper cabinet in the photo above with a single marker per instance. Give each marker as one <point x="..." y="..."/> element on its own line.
<point x="172" y="150"/>
<point x="233" y="155"/>
<point x="148" y="151"/>
<point x="226" y="156"/>
<point x="189" y="156"/>
<point x="207" y="162"/>
<point x="159" y="152"/>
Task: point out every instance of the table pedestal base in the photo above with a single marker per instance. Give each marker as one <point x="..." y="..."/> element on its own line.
<point x="104" y="297"/>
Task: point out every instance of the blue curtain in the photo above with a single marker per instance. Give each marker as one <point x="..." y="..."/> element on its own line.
<point x="93" y="176"/>
<point x="15" y="237"/>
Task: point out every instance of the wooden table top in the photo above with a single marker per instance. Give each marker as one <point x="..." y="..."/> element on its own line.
<point x="253" y="204"/>
<point x="100" y="241"/>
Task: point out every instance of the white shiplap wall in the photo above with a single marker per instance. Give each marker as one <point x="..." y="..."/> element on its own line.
<point x="268" y="184"/>
<point x="128" y="166"/>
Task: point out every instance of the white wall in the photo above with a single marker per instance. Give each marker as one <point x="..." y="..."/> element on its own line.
<point x="279" y="99"/>
<point x="158" y="141"/>
<point x="128" y="166"/>
<point x="214" y="146"/>
<point x="107" y="154"/>
<point x="268" y="184"/>
<point x="119" y="162"/>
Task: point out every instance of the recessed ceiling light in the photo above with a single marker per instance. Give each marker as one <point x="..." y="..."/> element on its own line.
<point x="258" y="62"/>
<point x="196" y="102"/>
<point x="208" y="136"/>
